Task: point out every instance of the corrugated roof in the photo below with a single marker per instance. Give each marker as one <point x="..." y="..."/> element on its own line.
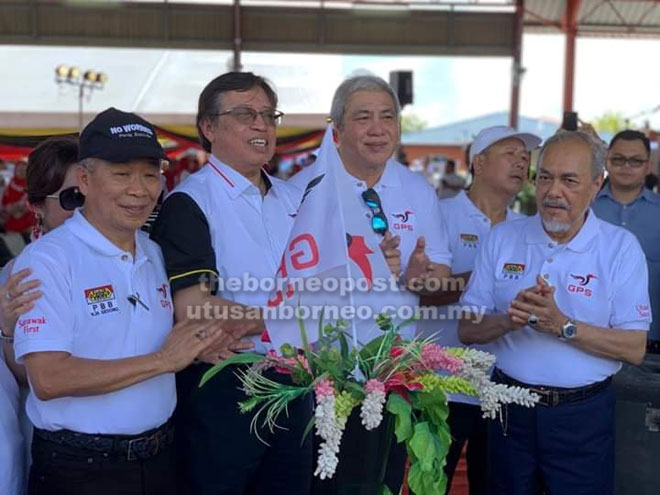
<point x="597" y="17"/>
<point x="463" y="132"/>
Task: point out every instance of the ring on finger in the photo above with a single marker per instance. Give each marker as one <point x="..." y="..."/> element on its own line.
<point x="8" y="296"/>
<point x="201" y="334"/>
<point x="532" y="319"/>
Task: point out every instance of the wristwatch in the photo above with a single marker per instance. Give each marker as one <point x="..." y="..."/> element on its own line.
<point x="5" y="338"/>
<point x="568" y="330"/>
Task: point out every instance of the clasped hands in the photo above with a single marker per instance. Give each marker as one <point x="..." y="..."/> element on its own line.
<point x="419" y="266"/>
<point x="537" y="308"/>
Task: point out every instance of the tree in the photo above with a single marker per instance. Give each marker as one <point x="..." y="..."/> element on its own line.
<point x="610" y="122"/>
<point x="412" y="122"/>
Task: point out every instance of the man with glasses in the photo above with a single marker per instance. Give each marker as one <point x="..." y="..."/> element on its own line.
<point x="227" y="223"/>
<point x="402" y="209"/>
<point x="624" y="201"/>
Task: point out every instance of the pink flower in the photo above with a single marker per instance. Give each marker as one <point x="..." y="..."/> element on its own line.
<point x="395" y="352"/>
<point x="324" y="388"/>
<point x="436" y="358"/>
<point x="284" y="365"/>
<point x="374" y="385"/>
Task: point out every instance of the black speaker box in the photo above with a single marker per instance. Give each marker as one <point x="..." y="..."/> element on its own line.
<point x="402" y="83"/>
<point x="638" y="428"/>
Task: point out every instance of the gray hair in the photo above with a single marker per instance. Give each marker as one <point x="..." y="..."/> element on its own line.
<point x="598" y="150"/>
<point x="354" y="84"/>
<point x="89" y="163"/>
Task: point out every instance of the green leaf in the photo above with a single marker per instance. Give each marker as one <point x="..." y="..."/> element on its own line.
<point x="241" y="358"/>
<point x="386" y="490"/>
<point x="433" y="404"/>
<point x="355" y="389"/>
<point x="371" y="349"/>
<point x="402" y="411"/>
<point x="423" y="446"/>
<point x="343" y="346"/>
<point x="308" y="429"/>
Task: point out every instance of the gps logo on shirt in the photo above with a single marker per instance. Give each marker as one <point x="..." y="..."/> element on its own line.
<point x="583" y="281"/>
<point x="470" y="240"/>
<point x="164" y="302"/>
<point x="101" y="300"/>
<point x="513" y="271"/>
<point x="403" y="218"/>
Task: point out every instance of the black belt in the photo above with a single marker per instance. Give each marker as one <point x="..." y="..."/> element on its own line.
<point x="553" y="396"/>
<point x="653" y="346"/>
<point x="138" y="447"/>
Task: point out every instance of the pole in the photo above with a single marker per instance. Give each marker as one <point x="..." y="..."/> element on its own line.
<point x="570" y="28"/>
<point x="81" y="94"/>
<point x="238" y="42"/>
<point x="517" y="70"/>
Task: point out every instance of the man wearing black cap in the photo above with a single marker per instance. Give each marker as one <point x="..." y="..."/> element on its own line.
<point x="98" y="346"/>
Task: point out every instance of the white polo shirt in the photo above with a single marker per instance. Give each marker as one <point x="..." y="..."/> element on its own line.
<point x="85" y="311"/>
<point x="466" y="227"/>
<point x="600" y="278"/>
<point x="412" y="210"/>
<point x="248" y="232"/>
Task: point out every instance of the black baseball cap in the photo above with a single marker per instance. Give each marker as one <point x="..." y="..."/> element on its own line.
<point x="119" y="137"/>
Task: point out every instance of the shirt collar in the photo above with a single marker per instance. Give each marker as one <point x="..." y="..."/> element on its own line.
<point x="88" y="234"/>
<point x="646" y="194"/>
<point x="389" y="178"/>
<point x="473" y="211"/>
<point x="234" y="182"/>
<point x="536" y="234"/>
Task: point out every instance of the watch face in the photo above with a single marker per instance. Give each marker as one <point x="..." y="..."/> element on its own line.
<point x="569" y="330"/>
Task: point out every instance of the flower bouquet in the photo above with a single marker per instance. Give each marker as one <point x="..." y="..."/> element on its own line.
<point x="406" y="378"/>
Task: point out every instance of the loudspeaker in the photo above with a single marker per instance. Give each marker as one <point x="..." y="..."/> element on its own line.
<point x="402" y="83"/>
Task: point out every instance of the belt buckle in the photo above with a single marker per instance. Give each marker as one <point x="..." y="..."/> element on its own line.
<point x="548" y="397"/>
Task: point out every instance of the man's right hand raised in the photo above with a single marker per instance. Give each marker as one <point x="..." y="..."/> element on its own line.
<point x="186" y="341"/>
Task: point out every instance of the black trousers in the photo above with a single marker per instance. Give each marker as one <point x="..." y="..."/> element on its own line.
<point x="467" y="425"/>
<point x="217" y="453"/>
<point x="367" y="460"/>
<point x="63" y="470"/>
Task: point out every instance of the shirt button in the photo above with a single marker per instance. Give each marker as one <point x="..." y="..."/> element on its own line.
<point x="368" y="215"/>
<point x="549" y="260"/>
<point x="623" y="223"/>
<point x="124" y="257"/>
<point x="546" y="276"/>
<point x="551" y="245"/>
<point x="359" y="184"/>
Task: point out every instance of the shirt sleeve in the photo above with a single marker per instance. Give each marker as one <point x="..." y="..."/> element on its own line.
<point x="49" y="325"/>
<point x="631" y="309"/>
<point x="433" y="229"/>
<point x="183" y="233"/>
<point x="480" y="289"/>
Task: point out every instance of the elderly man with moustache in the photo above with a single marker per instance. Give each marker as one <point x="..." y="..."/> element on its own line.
<point x="567" y="302"/>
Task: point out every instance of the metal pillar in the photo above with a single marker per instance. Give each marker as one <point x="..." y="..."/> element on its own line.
<point x="570" y="28"/>
<point x="238" y="42"/>
<point x="517" y="69"/>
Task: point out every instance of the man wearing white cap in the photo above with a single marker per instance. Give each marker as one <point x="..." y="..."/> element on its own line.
<point x="499" y="158"/>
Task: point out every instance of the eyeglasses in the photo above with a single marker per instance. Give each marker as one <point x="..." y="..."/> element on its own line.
<point x="70" y="198"/>
<point x="378" y="218"/>
<point x="247" y="115"/>
<point x="620" y="161"/>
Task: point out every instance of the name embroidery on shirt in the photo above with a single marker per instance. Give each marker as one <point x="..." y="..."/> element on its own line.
<point x="403" y="219"/>
<point x="101" y="300"/>
<point x="31" y="325"/>
<point x="469" y="240"/>
<point x="583" y="282"/>
<point x="513" y="271"/>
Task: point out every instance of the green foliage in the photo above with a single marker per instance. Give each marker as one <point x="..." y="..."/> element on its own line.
<point x="610" y="122"/>
<point x="402" y="411"/>
<point x="242" y="358"/>
<point x="412" y="122"/>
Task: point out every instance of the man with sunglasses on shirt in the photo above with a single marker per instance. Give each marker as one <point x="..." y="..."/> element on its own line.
<point x="625" y="202"/>
<point x="229" y="221"/>
<point x="402" y="209"/>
